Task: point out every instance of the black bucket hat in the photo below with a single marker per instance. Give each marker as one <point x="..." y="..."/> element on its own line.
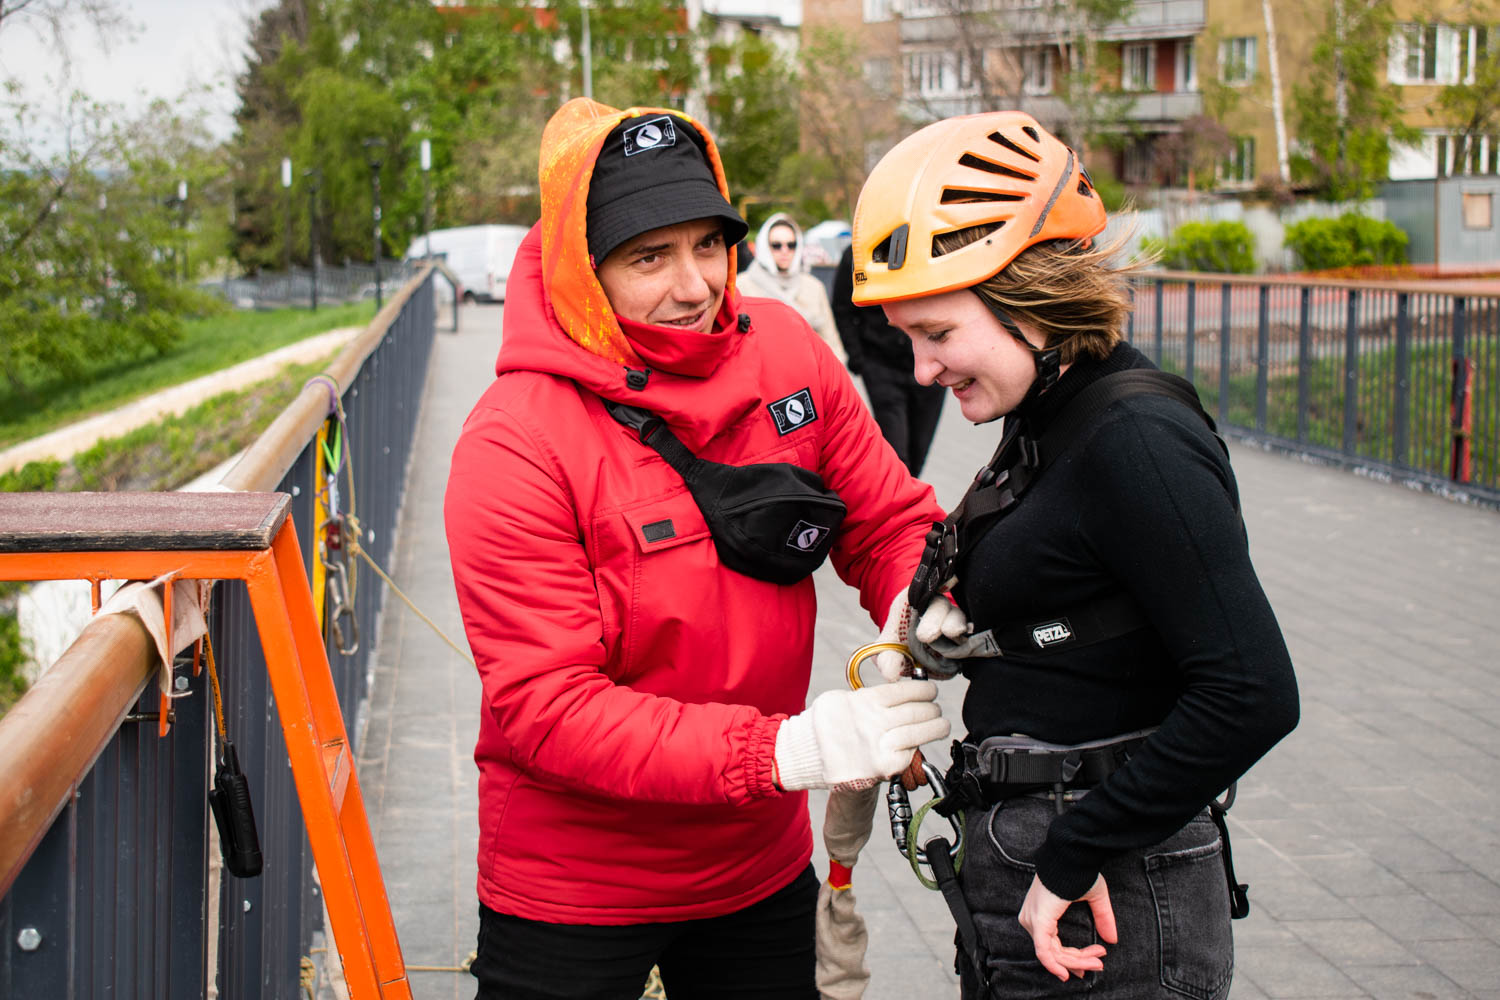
<point x="653" y="171"/>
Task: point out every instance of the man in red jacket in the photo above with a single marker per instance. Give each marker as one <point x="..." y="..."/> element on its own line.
<point x="645" y="640"/>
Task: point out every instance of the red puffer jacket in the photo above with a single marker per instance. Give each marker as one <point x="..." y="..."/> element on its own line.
<point x="633" y="686"/>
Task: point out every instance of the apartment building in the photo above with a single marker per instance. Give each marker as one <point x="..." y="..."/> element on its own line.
<point x="1184" y="92"/>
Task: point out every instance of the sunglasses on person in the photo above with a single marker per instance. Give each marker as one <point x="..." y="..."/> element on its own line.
<point x="784" y="246"/>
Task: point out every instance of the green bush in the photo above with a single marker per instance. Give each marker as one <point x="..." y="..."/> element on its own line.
<point x="1351" y="240"/>
<point x="1221" y="247"/>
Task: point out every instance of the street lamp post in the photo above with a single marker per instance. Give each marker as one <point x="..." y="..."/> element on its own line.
<point x="588" y="55"/>
<point x="427" y="193"/>
<point x="182" y="192"/>
<point x="374" y="154"/>
<point x="286" y="187"/>
<point x="313" y="176"/>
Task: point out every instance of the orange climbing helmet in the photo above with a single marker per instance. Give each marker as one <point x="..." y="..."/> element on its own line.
<point x="999" y="172"/>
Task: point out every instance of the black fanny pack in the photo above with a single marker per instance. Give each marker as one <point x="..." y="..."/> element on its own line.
<point x="773" y="521"/>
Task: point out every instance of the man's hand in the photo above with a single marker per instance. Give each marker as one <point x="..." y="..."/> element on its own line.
<point x="863" y="736"/>
<point x="1040" y="913"/>
<point x="940" y="619"/>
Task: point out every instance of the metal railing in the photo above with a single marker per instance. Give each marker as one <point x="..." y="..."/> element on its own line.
<point x="114" y="898"/>
<point x="1399" y="380"/>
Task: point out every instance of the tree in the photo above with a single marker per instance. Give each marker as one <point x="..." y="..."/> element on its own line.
<point x="751" y="102"/>
<point x="1473" y="108"/>
<point x="843" y="121"/>
<point x="1345" y="116"/>
<point x="89" y="250"/>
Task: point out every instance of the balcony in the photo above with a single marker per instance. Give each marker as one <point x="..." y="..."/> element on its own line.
<point x="1019" y="20"/>
<point x="1162" y="107"/>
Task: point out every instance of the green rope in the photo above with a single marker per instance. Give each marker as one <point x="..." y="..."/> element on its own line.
<point x="913" y="852"/>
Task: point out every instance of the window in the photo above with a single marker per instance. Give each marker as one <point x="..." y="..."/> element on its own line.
<point x="878" y="75"/>
<point x="1187" y="66"/>
<point x="938" y="74"/>
<point x="1424" y="53"/>
<point x="877" y="10"/>
<point x="1138" y="67"/>
<point x="1239" y="166"/>
<point x="1477" y="209"/>
<point x="1237" y="60"/>
<point x="1036" y="71"/>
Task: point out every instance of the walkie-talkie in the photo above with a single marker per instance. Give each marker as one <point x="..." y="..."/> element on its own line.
<point x="234" y="816"/>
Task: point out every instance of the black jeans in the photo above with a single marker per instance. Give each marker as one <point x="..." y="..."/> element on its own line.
<point x="765" y="951"/>
<point x="1171" y="904"/>
<point x="906" y="412"/>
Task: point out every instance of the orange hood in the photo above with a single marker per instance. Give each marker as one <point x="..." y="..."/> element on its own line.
<point x="570" y="145"/>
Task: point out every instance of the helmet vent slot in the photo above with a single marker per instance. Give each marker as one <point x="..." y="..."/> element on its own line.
<point x="963" y="196"/>
<point x="970" y="160"/>
<point x="1083" y="188"/>
<point x="969" y="236"/>
<point x="996" y="137"/>
<point x="891" y="251"/>
<point x="1031" y="132"/>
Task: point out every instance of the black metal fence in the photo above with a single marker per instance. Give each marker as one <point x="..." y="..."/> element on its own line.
<point x="114" y="901"/>
<point x="1399" y="380"/>
<point x="300" y="286"/>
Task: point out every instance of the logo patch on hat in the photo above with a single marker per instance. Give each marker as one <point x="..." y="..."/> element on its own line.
<point x="805" y="537"/>
<point x="655" y="134"/>
<point x="791" y="412"/>
<point x="1052" y="634"/>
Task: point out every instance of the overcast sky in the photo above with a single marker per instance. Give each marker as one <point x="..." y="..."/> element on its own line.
<point x="179" y="46"/>
<point x="175" y="47"/>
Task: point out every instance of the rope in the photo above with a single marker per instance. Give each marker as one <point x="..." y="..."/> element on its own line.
<point x="913" y="852"/>
<point x="213" y="678"/>
<point x="352" y="541"/>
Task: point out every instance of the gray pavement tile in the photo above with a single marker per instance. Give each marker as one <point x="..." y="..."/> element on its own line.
<point x="1351" y="942"/>
<point x="1293" y="971"/>
<point x="1242" y="989"/>
<point x="1286" y="894"/>
<point x="1353" y="875"/>
<point x="1411" y="918"/>
<point x="1409" y="855"/>
<point x="1473" y="963"/>
<point x="1462" y="893"/>
<point x="1407" y="982"/>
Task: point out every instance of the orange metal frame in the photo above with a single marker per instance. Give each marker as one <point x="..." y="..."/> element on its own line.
<point x="317" y="743"/>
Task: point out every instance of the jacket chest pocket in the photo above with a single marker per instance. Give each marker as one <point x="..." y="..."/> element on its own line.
<point x="663" y="577"/>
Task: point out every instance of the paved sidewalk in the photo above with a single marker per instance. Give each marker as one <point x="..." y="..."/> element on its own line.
<point x="1370" y="837"/>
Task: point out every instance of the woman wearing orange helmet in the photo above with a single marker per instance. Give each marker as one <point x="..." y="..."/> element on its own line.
<point x="1126" y="666"/>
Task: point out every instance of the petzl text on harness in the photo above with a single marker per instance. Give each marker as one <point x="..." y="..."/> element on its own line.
<point x="773" y="521"/>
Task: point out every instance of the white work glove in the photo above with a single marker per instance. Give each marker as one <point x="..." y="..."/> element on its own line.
<point x="853" y="738"/>
<point x="941" y="620"/>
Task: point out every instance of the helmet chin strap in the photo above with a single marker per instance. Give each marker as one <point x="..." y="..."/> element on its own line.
<point x="1048" y="360"/>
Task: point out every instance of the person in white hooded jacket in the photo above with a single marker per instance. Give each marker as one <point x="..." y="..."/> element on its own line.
<point x="779" y="272"/>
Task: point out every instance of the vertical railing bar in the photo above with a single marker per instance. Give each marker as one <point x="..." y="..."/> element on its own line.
<point x="1304" y="361"/>
<point x="1351" y="373"/>
<point x="1225" y="336"/>
<point x="1187" y="347"/>
<point x="1263" y="362"/>
<point x="1160" y="286"/>
<point x="1400" y="456"/>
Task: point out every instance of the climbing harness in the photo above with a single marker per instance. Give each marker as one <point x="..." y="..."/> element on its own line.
<point x="1018" y="461"/>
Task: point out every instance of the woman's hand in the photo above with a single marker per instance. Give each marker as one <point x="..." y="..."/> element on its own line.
<point x="1040" y="913"/>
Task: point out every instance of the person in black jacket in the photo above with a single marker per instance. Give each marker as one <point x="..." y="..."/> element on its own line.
<point x="1127" y="667"/>
<point x="906" y="411"/>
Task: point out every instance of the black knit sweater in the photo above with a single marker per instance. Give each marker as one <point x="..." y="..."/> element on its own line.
<point x="1143" y="502"/>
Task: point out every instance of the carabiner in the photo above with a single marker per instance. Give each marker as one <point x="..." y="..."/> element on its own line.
<point x="897" y="801"/>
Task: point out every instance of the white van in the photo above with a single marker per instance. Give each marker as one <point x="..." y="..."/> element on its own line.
<point x="481" y="256"/>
